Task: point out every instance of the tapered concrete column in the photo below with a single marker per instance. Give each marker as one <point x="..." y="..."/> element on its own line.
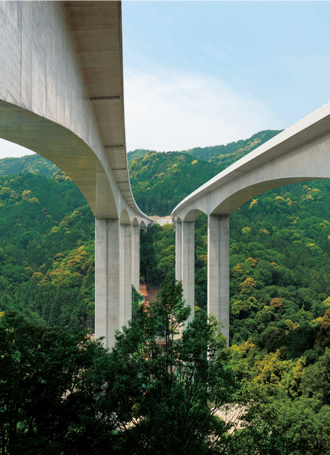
<point x="125" y="281"/>
<point x="107" y="279"/>
<point x="188" y="265"/>
<point x="113" y="278"/>
<point x="178" y="250"/>
<point x="218" y="270"/>
<point x="136" y="257"/>
<point x="101" y="279"/>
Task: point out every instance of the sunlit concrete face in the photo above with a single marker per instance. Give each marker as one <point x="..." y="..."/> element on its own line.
<point x="65" y="149"/>
<point x="61" y="95"/>
<point x="298" y="154"/>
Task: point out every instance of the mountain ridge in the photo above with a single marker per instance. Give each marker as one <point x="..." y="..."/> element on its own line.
<point x="242" y="146"/>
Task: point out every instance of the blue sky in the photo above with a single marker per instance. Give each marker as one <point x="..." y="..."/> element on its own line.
<point x="214" y="72"/>
<point x="209" y="72"/>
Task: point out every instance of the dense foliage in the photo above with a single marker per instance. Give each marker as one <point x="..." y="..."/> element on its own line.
<point x="35" y="164"/>
<point x="52" y="399"/>
<point x="159" y="390"/>
<point x="229" y="153"/>
<point x="161" y="180"/>
<point x="172" y="377"/>
<point x="46" y="249"/>
<point x="279" y="264"/>
<point x="280" y="314"/>
<point x="290" y="408"/>
<point x="138" y="153"/>
<point x="63" y="394"/>
<point x="157" y="254"/>
<point x="218" y="153"/>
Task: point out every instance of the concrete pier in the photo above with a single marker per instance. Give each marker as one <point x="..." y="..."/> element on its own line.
<point x="178" y="250"/>
<point x="188" y="265"/>
<point x="113" y="277"/>
<point x="136" y="255"/>
<point x="125" y="274"/>
<point x="107" y="279"/>
<point x="218" y="270"/>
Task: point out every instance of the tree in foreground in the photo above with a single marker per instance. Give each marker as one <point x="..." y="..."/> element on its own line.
<point x="51" y="391"/>
<point x="174" y="382"/>
<point x="157" y="392"/>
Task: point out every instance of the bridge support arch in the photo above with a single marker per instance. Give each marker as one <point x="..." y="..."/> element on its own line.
<point x="217" y="265"/>
<point x="298" y="154"/>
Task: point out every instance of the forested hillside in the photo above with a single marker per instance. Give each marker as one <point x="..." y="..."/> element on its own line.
<point x="279" y="272"/>
<point x="161" y="180"/>
<point x="279" y="264"/>
<point x="228" y="154"/>
<point x="280" y="244"/>
<point x="138" y="153"/>
<point x="46" y="246"/>
<point x="35" y="164"/>
<point x="213" y="153"/>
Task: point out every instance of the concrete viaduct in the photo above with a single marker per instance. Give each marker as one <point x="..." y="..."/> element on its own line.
<point x="300" y="153"/>
<point x="61" y="95"/>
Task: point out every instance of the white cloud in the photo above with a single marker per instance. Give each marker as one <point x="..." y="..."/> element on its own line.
<point x="9" y="149"/>
<point x="178" y="111"/>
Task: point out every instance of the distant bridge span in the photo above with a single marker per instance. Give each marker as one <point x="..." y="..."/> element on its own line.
<point x="61" y="95"/>
<point x="300" y="153"/>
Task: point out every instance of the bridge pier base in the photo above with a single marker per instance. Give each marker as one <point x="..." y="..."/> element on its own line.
<point x="218" y="270"/>
<point x="113" y="278"/>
